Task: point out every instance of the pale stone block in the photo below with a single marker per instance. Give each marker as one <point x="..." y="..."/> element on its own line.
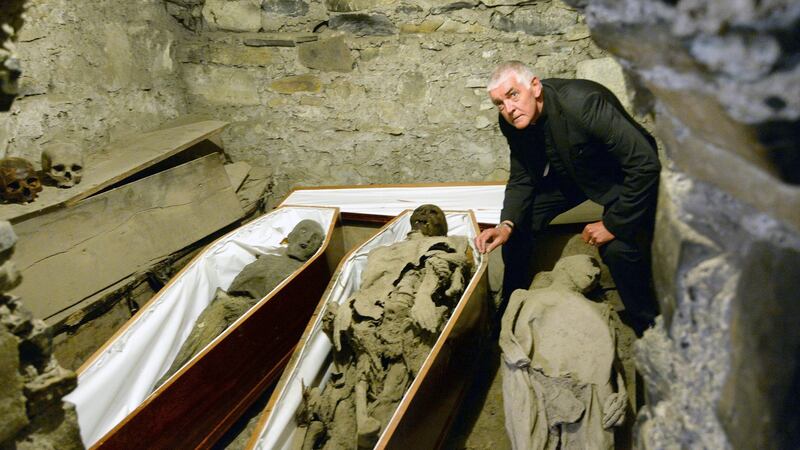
<point x="222" y="85"/>
<point x="607" y="72"/>
<point x="329" y="55"/>
<point x="233" y="15"/>
<point x="238" y="55"/>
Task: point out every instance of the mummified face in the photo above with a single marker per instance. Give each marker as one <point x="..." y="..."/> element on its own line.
<point x="19" y="181"/>
<point x="305" y="239"/>
<point x="429" y="220"/>
<point x="582" y="270"/>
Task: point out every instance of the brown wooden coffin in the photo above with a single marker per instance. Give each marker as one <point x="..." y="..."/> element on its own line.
<point x="198" y="403"/>
<point x="424" y="416"/>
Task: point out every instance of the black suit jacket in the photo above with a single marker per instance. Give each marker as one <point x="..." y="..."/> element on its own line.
<point x="610" y="157"/>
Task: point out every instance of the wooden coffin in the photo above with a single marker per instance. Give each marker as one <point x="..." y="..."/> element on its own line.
<point x="195" y="406"/>
<point x="428" y="407"/>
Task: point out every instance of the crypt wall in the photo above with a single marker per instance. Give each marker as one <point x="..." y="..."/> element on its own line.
<point x="371" y="91"/>
<point x="92" y="72"/>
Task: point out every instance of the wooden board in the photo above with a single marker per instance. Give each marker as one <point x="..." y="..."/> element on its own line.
<point x="237" y="173"/>
<point x="72" y="253"/>
<point x="195" y="407"/>
<point x="116" y="162"/>
<point x="427" y="410"/>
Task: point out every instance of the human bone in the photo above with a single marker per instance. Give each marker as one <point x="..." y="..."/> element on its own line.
<point x="63" y="163"/>
<point x="19" y="181"/>
<point x="255" y="280"/>
<point x="559" y="364"/>
<point x="382" y="334"/>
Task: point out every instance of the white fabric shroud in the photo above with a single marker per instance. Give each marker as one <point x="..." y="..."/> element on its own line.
<point x="485" y="200"/>
<point x="313" y="365"/>
<point x="124" y="374"/>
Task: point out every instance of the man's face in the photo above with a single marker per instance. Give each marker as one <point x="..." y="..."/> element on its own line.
<point x="516" y="101"/>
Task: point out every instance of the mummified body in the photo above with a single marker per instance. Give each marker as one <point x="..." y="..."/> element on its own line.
<point x="255" y="281"/>
<point x="559" y="364"/>
<point x="383" y="333"/>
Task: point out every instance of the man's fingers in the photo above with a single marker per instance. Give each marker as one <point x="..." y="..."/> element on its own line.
<point x="585" y="234"/>
<point x="479" y="243"/>
<point x="492" y="246"/>
<point x="488" y="240"/>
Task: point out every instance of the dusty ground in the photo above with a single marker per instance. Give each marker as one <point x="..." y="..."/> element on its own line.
<point x="480" y="424"/>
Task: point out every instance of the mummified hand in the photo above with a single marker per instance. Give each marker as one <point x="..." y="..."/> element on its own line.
<point x="614" y="410"/>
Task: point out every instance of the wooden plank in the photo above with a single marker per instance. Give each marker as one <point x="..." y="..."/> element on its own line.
<point x="116" y="162"/>
<point x="207" y="395"/>
<point x="72" y="253"/>
<point x="237" y="172"/>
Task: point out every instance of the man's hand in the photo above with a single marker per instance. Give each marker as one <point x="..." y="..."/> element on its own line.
<point x="596" y="234"/>
<point x="491" y="238"/>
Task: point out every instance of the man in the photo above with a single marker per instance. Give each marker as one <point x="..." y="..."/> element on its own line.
<point x="571" y="140"/>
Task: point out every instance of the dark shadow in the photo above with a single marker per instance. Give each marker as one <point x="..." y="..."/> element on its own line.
<point x="781" y="138"/>
<point x="239" y="433"/>
<point x="476" y="397"/>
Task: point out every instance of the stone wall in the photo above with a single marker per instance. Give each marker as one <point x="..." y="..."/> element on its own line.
<point x="723" y="363"/>
<point x="368" y="91"/>
<point x="10" y="21"/>
<point x="32" y="382"/>
<point x="92" y="72"/>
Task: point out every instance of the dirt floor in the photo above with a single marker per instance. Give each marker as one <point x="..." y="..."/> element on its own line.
<point x="480" y="424"/>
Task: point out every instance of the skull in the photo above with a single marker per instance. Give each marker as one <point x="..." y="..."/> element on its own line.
<point x="19" y="180"/>
<point x="63" y="162"/>
<point x="429" y="220"/>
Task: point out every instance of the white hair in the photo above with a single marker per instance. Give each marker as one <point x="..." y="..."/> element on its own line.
<point x="523" y="73"/>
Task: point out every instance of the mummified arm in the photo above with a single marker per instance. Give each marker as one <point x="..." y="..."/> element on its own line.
<point x="424" y="311"/>
<point x="513" y="353"/>
<point x="616" y="404"/>
<point x="456" y="284"/>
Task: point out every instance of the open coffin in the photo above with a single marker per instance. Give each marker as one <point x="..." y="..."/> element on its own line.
<point x="428" y="406"/>
<point x="193" y="407"/>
